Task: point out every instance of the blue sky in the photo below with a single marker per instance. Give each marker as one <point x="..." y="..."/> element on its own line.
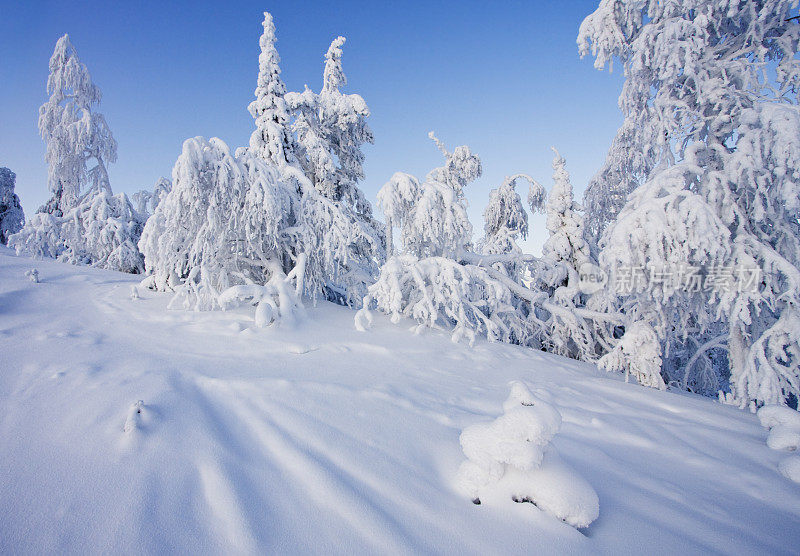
<point x="504" y="78"/>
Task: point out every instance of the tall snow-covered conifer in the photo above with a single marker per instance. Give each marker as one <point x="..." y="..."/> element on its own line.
<point x="566" y="244"/>
<point x="345" y="245"/>
<point x="272" y="139"/>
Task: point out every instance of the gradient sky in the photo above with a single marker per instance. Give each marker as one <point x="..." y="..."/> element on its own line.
<point x="504" y="78"/>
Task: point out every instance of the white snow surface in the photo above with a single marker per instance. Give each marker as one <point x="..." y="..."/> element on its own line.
<point x="125" y="426"/>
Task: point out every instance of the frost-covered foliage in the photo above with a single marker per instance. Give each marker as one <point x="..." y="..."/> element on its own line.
<point x="102" y="231"/>
<point x="512" y="457"/>
<point x="12" y="218"/>
<point x="146" y="201"/>
<point x="79" y="143"/>
<point x="712" y="132"/>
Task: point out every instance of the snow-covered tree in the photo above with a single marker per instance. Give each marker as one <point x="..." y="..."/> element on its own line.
<point x="690" y="68"/>
<point x="712" y="132"/>
<point x="12" y="218"/>
<point x="505" y="219"/>
<point x="438" y="224"/>
<point x="272" y="139"/>
<point x="347" y="244"/>
<point x="83" y="222"/>
<point x="79" y="142"/>
<point x="331" y="128"/>
<point x="396" y="199"/>
<point x="566" y="243"/>
<point x="146" y="201"/>
<point x="195" y="238"/>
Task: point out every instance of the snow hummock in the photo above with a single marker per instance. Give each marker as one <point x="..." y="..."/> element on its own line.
<point x="512" y="454"/>
<point x="784" y="434"/>
<point x="320" y="438"/>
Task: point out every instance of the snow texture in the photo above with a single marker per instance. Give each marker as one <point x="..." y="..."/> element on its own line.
<point x="319" y="438"/>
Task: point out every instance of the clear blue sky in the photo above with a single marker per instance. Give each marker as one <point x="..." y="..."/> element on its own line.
<point x="504" y="78"/>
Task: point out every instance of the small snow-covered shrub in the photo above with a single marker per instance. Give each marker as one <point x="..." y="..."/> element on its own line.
<point x="11" y="216"/>
<point x="512" y="456"/>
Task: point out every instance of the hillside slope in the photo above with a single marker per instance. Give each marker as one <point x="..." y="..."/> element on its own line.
<point x="326" y="439"/>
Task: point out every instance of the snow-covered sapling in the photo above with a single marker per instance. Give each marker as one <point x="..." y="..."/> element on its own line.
<point x="134" y="417"/>
<point x="33" y="275"/>
<point x="512" y="457"/>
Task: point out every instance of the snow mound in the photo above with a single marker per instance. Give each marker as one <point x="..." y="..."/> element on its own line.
<point x="512" y="455"/>
<point x="790" y="468"/>
<point x="784" y="427"/>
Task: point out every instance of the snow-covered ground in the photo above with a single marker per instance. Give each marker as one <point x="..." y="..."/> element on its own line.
<point x="326" y="439"/>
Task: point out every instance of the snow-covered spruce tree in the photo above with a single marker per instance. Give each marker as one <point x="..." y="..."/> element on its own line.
<point x="12" y="218"/>
<point x="272" y="139"/>
<point x="83" y="223"/>
<point x="146" y="201"/>
<point x="710" y="98"/>
<point x="79" y="143"/>
<point x="567" y="252"/>
<point x="345" y="245"/>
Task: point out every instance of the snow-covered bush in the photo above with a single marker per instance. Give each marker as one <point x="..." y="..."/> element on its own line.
<point x="101" y="231"/>
<point x="512" y="457"/>
<point x="638" y="353"/>
<point x="712" y="134"/>
<point x="11" y="216"/>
